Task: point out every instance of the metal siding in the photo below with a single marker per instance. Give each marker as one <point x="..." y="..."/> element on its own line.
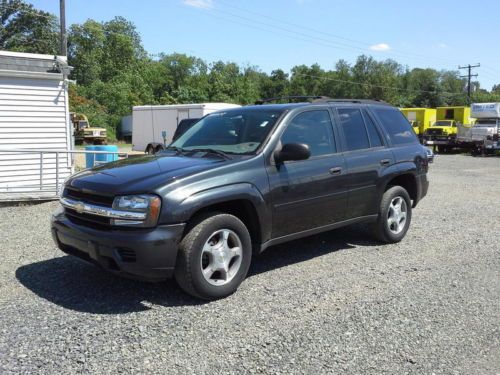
<point x="33" y="115"/>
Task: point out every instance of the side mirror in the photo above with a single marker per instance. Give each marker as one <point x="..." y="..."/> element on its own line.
<point x="292" y="151"/>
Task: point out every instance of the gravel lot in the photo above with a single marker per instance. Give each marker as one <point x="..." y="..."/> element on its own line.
<point x="332" y="303"/>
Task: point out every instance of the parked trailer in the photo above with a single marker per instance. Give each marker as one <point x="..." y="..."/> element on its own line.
<point x="151" y="123"/>
<point x="420" y="119"/>
<point x="442" y="135"/>
<point x="483" y="136"/>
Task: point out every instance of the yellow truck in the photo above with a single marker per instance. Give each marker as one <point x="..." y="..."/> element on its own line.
<point x="420" y="119"/>
<point x="84" y="133"/>
<point x="442" y="135"/>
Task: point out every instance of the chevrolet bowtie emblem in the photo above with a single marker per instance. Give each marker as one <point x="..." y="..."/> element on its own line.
<point x="79" y="207"/>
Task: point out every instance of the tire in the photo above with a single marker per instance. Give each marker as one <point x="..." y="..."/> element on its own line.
<point x="392" y="233"/>
<point x="202" y="251"/>
<point x="158" y="149"/>
<point x="150" y="150"/>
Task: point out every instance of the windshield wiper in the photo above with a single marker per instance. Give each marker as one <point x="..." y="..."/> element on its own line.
<point x="209" y="151"/>
<point x="178" y="150"/>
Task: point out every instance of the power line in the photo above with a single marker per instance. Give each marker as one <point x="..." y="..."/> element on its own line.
<point x="323" y="33"/>
<point x="469" y="77"/>
<point x="380" y="86"/>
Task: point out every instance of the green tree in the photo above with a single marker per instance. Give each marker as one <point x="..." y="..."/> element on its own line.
<point x="26" y="29"/>
<point x="276" y="85"/>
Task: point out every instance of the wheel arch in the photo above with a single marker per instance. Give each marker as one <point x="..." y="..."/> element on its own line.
<point x="408" y="181"/>
<point x="241" y="200"/>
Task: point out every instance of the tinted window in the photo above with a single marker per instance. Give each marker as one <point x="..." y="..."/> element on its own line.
<point x="314" y="128"/>
<point x="396" y="125"/>
<point x="354" y="129"/>
<point x="373" y="134"/>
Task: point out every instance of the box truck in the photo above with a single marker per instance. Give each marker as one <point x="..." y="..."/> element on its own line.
<point x="153" y="126"/>
<point x="420" y="119"/>
<point x="483" y="136"/>
<point x="443" y="134"/>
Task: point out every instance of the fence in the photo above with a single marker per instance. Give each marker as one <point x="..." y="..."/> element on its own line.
<point x="38" y="174"/>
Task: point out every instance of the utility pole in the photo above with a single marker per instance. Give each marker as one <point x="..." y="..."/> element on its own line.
<point x="469" y="67"/>
<point x="64" y="43"/>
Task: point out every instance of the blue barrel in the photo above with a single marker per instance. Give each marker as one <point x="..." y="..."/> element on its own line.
<point x="89" y="158"/>
<point x="96" y="159"/>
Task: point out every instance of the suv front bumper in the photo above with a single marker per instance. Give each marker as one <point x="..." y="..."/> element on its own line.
<point x="146" y="254"/>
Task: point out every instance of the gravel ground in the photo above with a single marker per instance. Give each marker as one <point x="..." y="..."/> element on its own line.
<point x="332" y="303"/>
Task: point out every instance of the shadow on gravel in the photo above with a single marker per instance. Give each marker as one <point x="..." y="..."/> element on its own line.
<point x="311" y="247"/>
<point x="76" y="285"/>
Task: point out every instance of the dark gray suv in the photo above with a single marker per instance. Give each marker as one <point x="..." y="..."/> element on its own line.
<point x="240" y="181"/>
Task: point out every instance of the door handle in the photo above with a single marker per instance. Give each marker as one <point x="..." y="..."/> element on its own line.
<point x="335" y="170"/>
<point x="385" y="161"/>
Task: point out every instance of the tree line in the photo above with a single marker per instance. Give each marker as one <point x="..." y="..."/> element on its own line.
<point x="113" y="72"/>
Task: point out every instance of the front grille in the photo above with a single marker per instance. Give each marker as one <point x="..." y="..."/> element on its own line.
<point x="92" y="221"/>
<point x="84" y="218"/>
<point x="434" y="131"/>
<point x="102" y="200"/>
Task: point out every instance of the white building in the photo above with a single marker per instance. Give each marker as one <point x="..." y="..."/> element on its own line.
<point x="34" y="116"/>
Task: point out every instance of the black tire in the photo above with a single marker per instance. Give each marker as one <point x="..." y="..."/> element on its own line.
<point x="150" y="150"/>
<point x="381" y="229"/>
<point x="158" y="149"/>
<point x="188" y="272"/>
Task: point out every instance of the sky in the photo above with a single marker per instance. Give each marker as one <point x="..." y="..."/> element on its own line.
<point x="274" y="34"/>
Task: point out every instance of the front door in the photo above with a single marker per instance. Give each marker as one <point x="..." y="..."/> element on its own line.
<point x="310" y="193"/>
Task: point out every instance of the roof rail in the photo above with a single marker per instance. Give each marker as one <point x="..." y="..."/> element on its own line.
<point x="289" y="99"/>
<point x="357" y="101"/>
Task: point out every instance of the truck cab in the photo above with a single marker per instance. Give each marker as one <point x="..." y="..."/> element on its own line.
<point x="442" y="135"/>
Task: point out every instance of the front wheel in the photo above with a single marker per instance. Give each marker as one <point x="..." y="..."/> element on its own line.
<point x="394" y="215"/>
<point x="214" y="256"/>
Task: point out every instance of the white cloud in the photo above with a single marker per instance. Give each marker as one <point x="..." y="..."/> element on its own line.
<point x="202" y="4"/>
<point x="442" y="45"/>
<point x="380" y="47"/>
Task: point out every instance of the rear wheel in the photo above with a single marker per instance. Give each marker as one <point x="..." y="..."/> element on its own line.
<point x="214" y="256"/>
<point x="394" y="215"/>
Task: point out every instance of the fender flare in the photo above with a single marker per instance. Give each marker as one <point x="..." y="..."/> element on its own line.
<point x="191" y="204"/>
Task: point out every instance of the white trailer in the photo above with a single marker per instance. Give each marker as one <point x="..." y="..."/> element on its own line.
<point x="149" y="122"/>
<point x="34" y="120"/>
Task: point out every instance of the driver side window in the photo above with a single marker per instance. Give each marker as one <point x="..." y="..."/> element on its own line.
<point x="313" y="128"/>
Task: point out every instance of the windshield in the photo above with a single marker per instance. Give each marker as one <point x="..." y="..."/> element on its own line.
<point x="234" y="132"/>
<point x="444" y="123"/>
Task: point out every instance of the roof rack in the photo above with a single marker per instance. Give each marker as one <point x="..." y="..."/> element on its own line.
<point x="357" y="101"/>
<point x="290" y="99"/>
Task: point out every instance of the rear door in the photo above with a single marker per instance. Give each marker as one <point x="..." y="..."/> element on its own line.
<point x="366" y="155"/>
<point x="310" y="193"/>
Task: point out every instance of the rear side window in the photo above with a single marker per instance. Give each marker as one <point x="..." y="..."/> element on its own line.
<point x="396" y="125"/>
<point x="375" y="140"/>
<point x="354" y="129"/>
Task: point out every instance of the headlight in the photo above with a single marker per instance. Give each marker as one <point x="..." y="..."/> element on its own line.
<point x="149" y="204"/>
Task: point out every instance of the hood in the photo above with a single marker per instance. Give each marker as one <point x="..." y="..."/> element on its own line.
<point x="140" y="174"/>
